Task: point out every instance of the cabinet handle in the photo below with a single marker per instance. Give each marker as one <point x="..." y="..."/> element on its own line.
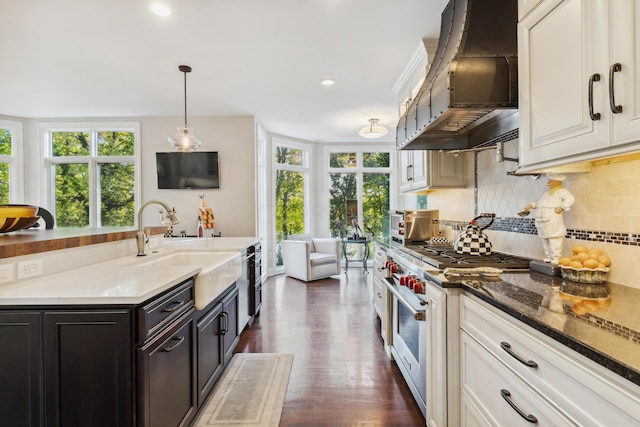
<point x="176" y="305"/>
<point x="225" y="317"/>
<point x="409" y="178"/>
<point x="507" y="347"/>
<point x="615" y="109"/>
<point x="594" y="78"/>
<point x="506" y="395"/>
<point x="171" y="348"/>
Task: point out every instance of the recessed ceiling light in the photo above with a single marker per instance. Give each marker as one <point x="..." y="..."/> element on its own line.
<point x="327" y="82"/>
<point x="160" y="9"/>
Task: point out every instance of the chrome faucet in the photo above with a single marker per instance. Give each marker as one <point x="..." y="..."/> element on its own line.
<point x="142" y="238"/>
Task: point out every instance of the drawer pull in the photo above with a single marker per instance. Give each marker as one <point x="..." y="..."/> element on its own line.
<point x="225" y="318"/>
<point x="506" y="395"/>
<point x="594" y="78"/>
<point x="507" y="347"/>
<point x="171" y="348"/>
<point x="615" y="109"/>
<point x="176" y="305"/>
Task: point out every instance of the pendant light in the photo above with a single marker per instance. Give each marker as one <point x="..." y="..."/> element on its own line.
<point x="374" y="130"/>
<point x="184" y="140"/>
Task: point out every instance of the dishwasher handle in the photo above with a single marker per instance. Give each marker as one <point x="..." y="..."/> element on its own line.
<point x="420" y="315"/>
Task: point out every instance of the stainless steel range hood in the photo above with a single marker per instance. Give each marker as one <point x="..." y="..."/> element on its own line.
<point x="470" y="94"/>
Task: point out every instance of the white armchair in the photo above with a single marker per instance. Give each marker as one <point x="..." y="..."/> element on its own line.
<point x="307" y="258"/>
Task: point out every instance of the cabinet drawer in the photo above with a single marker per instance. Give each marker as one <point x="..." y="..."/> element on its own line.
<point x="586" y="391"/>
<point x="378" y="289"/>
<point x="491" y="386"/>
<point x="159" y="312"/>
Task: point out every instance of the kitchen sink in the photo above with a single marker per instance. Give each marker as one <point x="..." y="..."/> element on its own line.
<point x="218" y="270"/>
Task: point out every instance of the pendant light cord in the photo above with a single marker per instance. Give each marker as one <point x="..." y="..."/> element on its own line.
<point x="185" y="97"/>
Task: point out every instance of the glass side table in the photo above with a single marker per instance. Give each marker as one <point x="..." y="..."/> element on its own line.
<point x="365" y="252"/>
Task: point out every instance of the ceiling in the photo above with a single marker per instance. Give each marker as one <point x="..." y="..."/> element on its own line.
<point x="266" y="58"/>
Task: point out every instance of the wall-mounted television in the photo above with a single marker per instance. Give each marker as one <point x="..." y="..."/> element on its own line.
<point x="199" y="169"/>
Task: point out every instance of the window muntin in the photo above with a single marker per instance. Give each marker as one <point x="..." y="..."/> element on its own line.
<point x="93" y="174"/>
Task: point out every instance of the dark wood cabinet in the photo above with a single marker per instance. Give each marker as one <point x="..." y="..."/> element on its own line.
<point x="210" y="357"/>
<point x="218" y="335"/>
<point x="231" y="329"/>
<point x="21" y="359"/>
<point x="148" y="365"/>
<point x="87" y="368"/>
<point x="167" y="376"/>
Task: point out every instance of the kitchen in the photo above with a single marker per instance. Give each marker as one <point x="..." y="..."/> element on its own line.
<point x="606" y="204"/>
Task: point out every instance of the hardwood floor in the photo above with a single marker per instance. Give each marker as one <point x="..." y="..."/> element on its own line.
<point x="340" y="375"/>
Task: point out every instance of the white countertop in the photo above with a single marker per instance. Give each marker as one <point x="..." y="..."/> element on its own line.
<point x="119" y="281"/>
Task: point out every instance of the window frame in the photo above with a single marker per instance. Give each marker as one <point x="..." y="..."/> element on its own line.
<point x="359" y="170"/>
<point x="93" y="160"/>
<point x="15" y="160"/>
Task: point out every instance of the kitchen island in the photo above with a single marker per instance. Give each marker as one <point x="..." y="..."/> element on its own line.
<point x="93" y="344"/>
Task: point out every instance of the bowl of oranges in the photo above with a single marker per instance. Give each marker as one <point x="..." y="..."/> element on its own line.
<point x="585" y="265"/>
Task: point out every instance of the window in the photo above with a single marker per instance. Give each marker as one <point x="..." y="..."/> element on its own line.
<point x="359" y="193"/>
<point x="93" y="173"/>
<point x="291" y="183"/>
<point x="10" y="149"/>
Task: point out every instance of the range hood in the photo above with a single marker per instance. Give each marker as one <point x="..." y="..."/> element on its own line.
<point x="470" y="93"/>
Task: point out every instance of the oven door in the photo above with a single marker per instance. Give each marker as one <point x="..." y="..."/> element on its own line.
<point x="409" y="346"/>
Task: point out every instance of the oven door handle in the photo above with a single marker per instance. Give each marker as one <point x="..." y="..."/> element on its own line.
<point x="420" y="315"/>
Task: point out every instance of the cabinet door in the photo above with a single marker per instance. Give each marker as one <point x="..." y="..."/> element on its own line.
<point x="231" y="330"/>
<point x="209" y="351"/>
<point x="561" y="44"/>
<point x="406" y="163"/>
<point x="419" y="169"/>
<point x="87" y="369"/>
<point x="20" y="374"/>
<point x="625" y="50"/>
<point x="436" y="398"/>
<point x="167" y="384"/>
<point x="444" y="171"/>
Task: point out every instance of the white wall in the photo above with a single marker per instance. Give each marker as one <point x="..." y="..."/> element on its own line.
<point x="233" y="203"/>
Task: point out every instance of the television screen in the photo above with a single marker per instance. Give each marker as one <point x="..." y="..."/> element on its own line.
<point x="188" y="170"/>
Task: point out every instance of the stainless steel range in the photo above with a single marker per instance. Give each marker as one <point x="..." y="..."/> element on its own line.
<point x="443" y="256"/>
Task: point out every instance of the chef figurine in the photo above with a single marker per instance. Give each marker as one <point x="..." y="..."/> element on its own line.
<point x="548" y="216"/>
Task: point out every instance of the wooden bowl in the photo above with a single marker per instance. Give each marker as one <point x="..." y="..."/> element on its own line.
<point x="9" y="224"/>
<point x="18" y="211"/>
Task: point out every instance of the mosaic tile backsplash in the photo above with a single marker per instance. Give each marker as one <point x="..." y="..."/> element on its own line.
<point x="606" y="214"/>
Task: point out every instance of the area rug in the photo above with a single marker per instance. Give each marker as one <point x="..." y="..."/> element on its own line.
<point x="251" y="392"/>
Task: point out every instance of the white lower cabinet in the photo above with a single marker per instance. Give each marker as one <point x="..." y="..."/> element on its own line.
<point x="498" y="394"/>
<point x="381" y="298"/>
<point x="508" y="370"/>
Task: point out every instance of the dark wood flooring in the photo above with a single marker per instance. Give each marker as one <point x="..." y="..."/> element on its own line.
<point x="340" y="376"/>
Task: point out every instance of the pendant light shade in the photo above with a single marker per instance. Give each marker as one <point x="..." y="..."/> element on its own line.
<point x="374" y="130"/>
<point x="184" y="140"/>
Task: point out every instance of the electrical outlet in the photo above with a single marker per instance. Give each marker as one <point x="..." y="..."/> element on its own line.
<point x="29" y="268"/>
<point x="6" y="273"/>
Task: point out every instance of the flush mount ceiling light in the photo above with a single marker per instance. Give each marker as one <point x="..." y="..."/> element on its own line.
<point x="374" y="130"/>
<point x="160" y="9"/>
<point x="184" y="140"/>
<point x="327" y="82"/>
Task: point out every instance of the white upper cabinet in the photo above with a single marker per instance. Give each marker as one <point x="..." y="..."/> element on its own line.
<point x="424" y="170"/>
<point x="569" y="83"/>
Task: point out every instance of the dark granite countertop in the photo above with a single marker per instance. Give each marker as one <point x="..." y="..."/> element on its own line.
<point x="600" y="321"/>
